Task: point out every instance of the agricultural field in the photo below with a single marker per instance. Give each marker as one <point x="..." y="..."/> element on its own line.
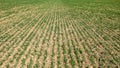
<point x="59" y="33"/>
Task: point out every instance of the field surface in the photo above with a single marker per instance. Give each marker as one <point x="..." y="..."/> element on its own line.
<point x="59" y="33"/>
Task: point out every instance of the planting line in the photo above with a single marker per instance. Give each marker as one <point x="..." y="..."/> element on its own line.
<point x="36" y="16"/>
